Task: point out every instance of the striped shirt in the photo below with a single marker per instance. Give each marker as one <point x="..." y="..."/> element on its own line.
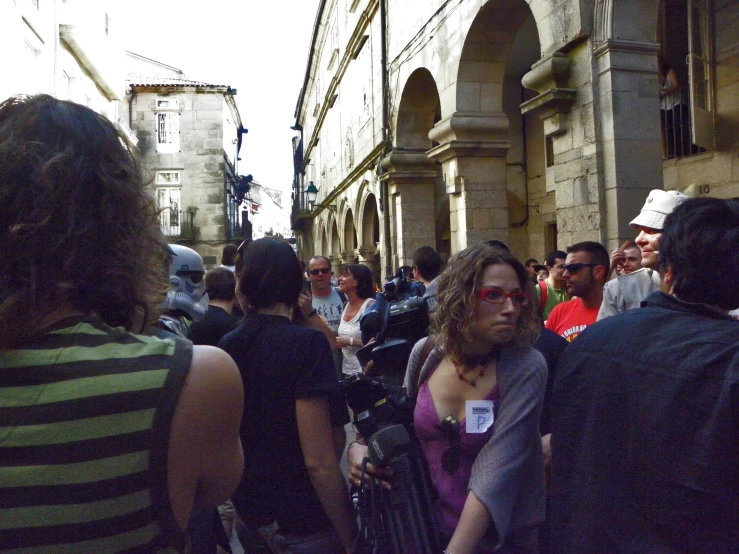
<point x="85" y="413"/>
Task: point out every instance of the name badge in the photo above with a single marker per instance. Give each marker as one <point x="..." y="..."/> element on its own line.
<point x="479" y="415"/>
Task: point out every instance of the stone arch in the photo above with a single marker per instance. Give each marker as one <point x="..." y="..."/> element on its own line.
<point x="415" y="182"/>
<point x="615" y="20"/>
<point x="474" y="140"/>
<point x="482" y="63"/>
<point x="369" y="222"/>
<point x="335" y="248"/>
<point x="369" y="226"/>
<point x="350" y="236"/>
<point x="419" y="110"/>
<point x="323" y="248"/>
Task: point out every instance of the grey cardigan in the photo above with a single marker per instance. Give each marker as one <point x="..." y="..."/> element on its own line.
<point x="508" y="473"/>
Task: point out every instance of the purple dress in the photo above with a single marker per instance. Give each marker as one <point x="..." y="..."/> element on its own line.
<point x="452" y="487"/>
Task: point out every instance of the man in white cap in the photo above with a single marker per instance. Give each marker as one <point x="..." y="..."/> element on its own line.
<point x="626" y="292"/>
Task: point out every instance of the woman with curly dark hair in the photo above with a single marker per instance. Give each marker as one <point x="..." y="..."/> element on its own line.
<point x="479" y="388"/>
<point x="112" y="437"/>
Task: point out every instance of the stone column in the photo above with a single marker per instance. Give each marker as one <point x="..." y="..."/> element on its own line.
<point x="630" y="131"/>
<point x="472" y="149"/>
<point x="336" y="263"/>
<point x="411" y="178"/>
<point x="366" y="256"/>
<point x="348" y="257"/>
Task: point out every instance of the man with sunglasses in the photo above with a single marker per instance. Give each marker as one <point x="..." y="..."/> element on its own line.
<point x="326" y="301"/>
<point x="626" y="292"/>
<point x="585" y="271"/>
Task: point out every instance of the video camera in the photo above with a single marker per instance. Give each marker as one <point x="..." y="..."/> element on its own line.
<point x="397" y="287"/>
<point x="402" y="519"/>
<point x="396" y="327"/>
<point x="376" y="404"/>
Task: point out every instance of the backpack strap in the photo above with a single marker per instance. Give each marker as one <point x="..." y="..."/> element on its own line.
<point x="343" y="296"/>
<point x="543" y="295"/>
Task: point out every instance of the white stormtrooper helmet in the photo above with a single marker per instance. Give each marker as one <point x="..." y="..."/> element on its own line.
<point x="187" y="286"/>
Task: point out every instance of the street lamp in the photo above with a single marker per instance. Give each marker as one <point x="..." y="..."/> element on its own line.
<point x="311" y="193"/>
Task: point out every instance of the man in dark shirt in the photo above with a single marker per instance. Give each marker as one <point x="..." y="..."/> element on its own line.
<point x="220" y="284"/>
<point x="645" y="432"/>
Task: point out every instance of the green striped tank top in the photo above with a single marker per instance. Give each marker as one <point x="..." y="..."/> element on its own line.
<point x="85" y="414"/>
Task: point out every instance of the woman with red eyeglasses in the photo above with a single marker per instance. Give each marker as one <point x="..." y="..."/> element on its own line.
<point x="479" y="388"/>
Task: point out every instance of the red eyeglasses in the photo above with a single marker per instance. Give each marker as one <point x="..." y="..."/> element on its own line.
<point x="497" y="296"/>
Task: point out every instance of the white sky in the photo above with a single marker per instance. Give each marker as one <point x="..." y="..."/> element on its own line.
<point x="259" y="47"/>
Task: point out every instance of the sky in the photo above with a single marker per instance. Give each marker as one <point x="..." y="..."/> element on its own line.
<point x="258" y="47"/>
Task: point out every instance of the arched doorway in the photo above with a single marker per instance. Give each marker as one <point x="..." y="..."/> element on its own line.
<point x="370" y="236"/>
<point x="350" y="238"/>
<point x="474" y="140"/>
<point x="416" y="186"/>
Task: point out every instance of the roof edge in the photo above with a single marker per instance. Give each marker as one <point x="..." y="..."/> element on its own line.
<point x="155" y="61"/>
<point x="316" y="26"/>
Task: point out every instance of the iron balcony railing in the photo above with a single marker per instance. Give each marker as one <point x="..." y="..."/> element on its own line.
<point x="178" y="223"/>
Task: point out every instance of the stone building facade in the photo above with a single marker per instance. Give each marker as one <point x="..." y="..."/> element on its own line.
<point x="189" y="134"/>
<point x="535" y="122"/>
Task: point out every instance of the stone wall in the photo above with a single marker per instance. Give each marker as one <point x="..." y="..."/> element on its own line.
<point x="200" y="159"/>
<point x="570" y="158"/>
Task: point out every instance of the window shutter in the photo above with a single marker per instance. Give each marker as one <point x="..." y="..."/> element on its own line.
<point x="700" y="73"/>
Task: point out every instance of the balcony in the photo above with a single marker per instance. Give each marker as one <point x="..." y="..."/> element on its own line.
<point x="300" y="209"/>
<point x="179" y="224"/>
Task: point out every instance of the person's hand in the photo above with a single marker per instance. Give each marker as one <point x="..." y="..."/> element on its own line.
<point x="546" y="446"/>
<point x="355" y="455"/>
<point x="617" y="258"/>
<point x="342" y="341"/>
<point x="305" y="301"/>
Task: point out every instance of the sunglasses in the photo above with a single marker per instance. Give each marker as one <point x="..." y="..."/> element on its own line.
<point x="322" y="271"/>
<point x="574" y="268"/>
<point x="497" y="296"/>
<point x="450" y="456"/>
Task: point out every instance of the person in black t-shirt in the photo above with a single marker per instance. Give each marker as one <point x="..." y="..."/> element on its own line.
<point x="220" y="284"/>
<point x="292" y="480"/>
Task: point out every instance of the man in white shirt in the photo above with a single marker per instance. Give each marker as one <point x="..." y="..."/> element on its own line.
<point x="326" y="300"/>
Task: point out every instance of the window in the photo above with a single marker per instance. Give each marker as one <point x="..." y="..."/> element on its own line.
<point x="168" y="202"/>
<point x="686" y="62"/>
<point x="168" y="125"/>
<point x="167" y="178"/>
<point x="700" y="72"/>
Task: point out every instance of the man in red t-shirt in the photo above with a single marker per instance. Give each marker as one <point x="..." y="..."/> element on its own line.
<point x="585" y="272"/>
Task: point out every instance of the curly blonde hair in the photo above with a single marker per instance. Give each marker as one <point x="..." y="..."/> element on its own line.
<point x="454" y="316"/>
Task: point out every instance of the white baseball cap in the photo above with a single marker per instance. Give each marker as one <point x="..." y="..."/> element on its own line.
<point x="659" y="204"/>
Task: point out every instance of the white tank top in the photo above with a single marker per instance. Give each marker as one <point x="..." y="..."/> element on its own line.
<point x="350" y="365"/>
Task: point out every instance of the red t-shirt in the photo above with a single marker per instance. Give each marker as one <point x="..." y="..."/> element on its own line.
<point x="570" y="318"/>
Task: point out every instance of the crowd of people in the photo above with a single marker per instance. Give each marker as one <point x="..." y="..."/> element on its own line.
<point x="147" y="405"/>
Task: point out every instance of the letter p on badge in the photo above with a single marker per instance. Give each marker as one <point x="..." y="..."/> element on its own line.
<point x="479" y="415"/>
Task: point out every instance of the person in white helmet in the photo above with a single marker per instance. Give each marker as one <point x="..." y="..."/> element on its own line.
<point x="187" y="297"/>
